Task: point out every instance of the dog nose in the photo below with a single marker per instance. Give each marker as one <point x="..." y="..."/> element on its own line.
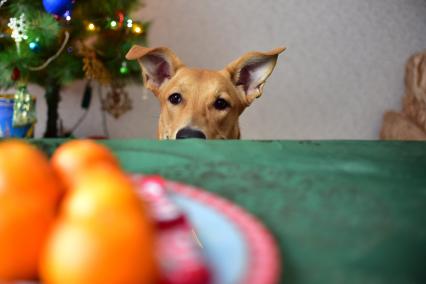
<point x="187" y="133"/>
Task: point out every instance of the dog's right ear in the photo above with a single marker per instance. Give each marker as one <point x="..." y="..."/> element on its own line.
<point x="158" y="65"/>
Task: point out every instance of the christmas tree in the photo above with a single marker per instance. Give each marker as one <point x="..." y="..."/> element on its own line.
<point x="52" y="43"/>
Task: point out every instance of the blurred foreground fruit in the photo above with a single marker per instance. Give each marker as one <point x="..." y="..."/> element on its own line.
<point x="74" y="157"/>
<point x="103" y="235"/>
<point x="29" y="196"/>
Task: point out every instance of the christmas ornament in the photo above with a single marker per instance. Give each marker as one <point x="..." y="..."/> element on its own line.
<point x="34" y="46"/>
<point x="58" y="7"/>
<point x="6" y="120"/>
<point x="129" y="23"/>
<point x="2" y="2"/>
<point x="124" y="69"/>
<point x="117" y="101"/>
<point x="23" y="108"/>
<point x="19" y="29"/>
<point x="93" y="68"/>
<point x="16" y="74"/>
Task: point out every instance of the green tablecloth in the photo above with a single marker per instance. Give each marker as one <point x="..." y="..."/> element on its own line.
<point x="342" y="212"/>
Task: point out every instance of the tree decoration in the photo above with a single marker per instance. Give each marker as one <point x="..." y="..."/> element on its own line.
<point x="91" y="27"/>
<point x="16" y="74"/>
<point x="113" y="24"/>
<point x="137" y="29"/>
<point x="117" y="102"/>
<point x="2" y="2"/>
<point x="34" y="46"/>
<point x="19" y="30"/>
<point x="124" y="69"/>
<point x="58" y="7"/>
<point x="67" y="16"/>
<point x="23" y="108"/>
<point x="93" y="68"/>
<point x="120" y="17"/>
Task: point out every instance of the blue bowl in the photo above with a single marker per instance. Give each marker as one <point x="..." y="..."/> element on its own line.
<point x="6" y="121"/>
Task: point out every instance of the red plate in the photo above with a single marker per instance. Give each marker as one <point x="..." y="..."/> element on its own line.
<point x="263" y="263"/>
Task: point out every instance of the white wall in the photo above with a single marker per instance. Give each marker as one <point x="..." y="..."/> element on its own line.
<point x="344" y="65"/>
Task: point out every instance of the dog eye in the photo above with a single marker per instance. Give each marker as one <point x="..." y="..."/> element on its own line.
<point x="221" y="104"/>
<point x="175" y="98"/>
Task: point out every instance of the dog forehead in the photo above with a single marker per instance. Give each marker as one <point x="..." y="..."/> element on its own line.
<point x="201" y="80"/>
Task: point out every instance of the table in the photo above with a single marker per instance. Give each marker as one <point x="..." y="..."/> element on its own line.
<point x="341" y="211"/>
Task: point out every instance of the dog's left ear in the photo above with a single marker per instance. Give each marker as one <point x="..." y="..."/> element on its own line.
<point x="250" y="72"/>
<point x="158" y="65"/>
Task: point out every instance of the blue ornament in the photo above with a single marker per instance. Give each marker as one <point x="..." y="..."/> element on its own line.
<point x="58" y="7"/>
<point x="34" y="46"/>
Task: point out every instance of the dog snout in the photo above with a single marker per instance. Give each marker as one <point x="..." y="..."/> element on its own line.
<point x="187" y="133"/>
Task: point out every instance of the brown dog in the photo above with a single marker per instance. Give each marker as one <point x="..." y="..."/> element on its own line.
<point x="202" y="103"/>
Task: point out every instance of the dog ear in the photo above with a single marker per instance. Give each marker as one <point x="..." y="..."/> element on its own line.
<point x="158" y="65"/>
<point x="249" y="72"/>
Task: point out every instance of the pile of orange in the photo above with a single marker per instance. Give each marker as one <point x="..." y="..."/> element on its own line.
<point x="75" y="219"/>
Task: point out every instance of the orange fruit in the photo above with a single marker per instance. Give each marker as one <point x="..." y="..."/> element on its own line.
<point x="90" y="252"/>
<point x="76" y="156"/>
<point x="103" y="235"/>
<point x="25" y="172"/>
<point x="29" y="195"/>
<point x="24" y="228"/>
<point x="101" y="187"/>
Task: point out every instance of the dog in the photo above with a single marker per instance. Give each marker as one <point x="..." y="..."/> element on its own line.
<point x="199" y="103"/>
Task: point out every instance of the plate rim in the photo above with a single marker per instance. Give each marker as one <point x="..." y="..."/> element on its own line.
<point x="264" y="265"/>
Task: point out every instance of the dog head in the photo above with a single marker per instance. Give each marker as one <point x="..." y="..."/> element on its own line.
<point x="202" y="103"/>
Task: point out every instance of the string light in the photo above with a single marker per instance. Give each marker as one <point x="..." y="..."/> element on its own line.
<point x="120" y="17"/>
<point x="91" y="27"/>
<point x="124" y="69"/>
<point x="113" y="24"/>
<point x="137" y="29"/>
<point x="67" y="16"/>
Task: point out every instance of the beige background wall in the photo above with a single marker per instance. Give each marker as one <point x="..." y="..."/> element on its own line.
<point x="343" y="67"/>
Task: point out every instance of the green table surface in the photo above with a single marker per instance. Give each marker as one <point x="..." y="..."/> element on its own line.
<point x="341" y="211"/>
